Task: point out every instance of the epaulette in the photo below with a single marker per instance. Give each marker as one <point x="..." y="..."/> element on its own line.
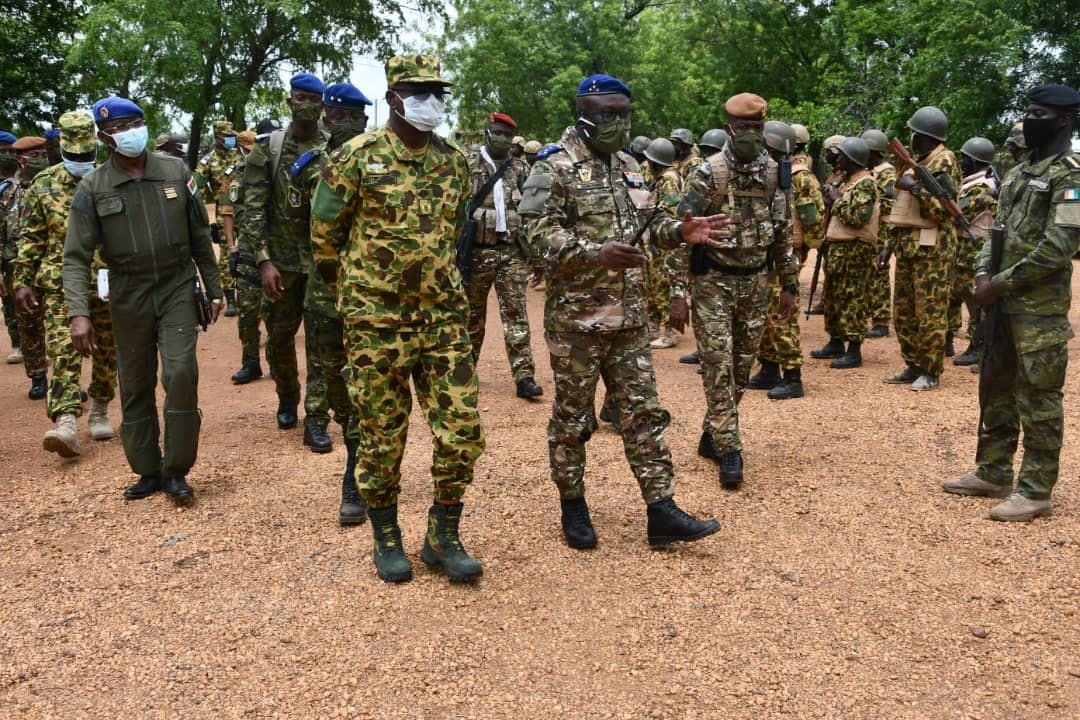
<point x="302" y="162"/>
<point x="548" y="151"/>
<point x="1073" y="161"/>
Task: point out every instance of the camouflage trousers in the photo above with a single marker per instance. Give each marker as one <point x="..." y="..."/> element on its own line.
<point x="250" y="302"/>
<point x="963" y="289"/>
<point x="32" y="339"/>
<point x="67" y="362"/>
<point x="439" y="363"/>
<point x="623" y="359"/>
<point x="780" y="342"/>
<point x="729" y="318"/>
<point x="326" y="389"/>
<point x="11" y="322"/>
<point x="847" y="275"/>
<point x="658" y="290"/>
<point x="228" y="283"/>
<point x="503" y="267"/>
<point x="879" y="296"/>
<point x="921" y="305"/>
<point x="1023" y="390"/>
<point x="283" y="317"/>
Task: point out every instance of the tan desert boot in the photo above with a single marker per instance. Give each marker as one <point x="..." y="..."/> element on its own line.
<point x="100" y="428"/>
<point x="64" y="438"/>
<point x="1018" y="508"/>
<point x="972" y="484"/>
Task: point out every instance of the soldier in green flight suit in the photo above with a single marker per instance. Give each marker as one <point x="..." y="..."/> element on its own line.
<point x="1027" y="356"/>
<point x="141" y="211"/>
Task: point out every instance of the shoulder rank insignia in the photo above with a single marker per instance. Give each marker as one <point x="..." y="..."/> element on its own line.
<point x="584" y="173"/>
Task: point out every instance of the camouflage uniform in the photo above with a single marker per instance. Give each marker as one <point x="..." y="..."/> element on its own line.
<point x="923" y="280"/>
<point x="275" y="229"/>
<point x="978" y="201"/>
<point x="7" y="194"/>
<point x="730" y="287"/>
<point x="848" y="261"/>
<point x="595" y="319"/>
<point x="502" y="260"/>
<point x="880" y="292"/>
<point x="323" y="329"/>
<point x="40" y="266"/>
<point x="781" y="342"/>
<point x="31" y="324"/>
<point x="383" y="232"/>
<point x="209" y="175"/>
<point x="1039" y="206"/>
<point x="248" y="284"/>
<point x="661" y="272"/>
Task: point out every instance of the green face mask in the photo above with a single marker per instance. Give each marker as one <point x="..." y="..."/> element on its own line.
<point x="307" y="112"/>
<point x="499" y="145"/>
<point x="36" y="165"/>
<point x="747" y="146"/>
<point x="341" y="133"/>
<point x="610" y="137"/>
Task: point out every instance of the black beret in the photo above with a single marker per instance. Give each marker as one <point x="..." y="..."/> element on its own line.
<point x="1058" y="96"/>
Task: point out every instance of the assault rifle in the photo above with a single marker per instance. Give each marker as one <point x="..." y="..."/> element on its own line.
<point x="904" y="160"/>
<point x="989" y="322"/>
<point x="467" y="239"/>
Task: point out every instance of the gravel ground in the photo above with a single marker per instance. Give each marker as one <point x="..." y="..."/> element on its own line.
<point x="842" y="584"/>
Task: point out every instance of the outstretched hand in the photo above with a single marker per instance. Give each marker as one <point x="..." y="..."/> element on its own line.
<point x="705" y="230"/>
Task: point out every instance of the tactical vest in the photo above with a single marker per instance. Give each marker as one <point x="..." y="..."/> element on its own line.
<point x="797" y="239"/>
<point x="981" y="223"/>
<point x="839" y="231"/>
<point x="906" y="212"/>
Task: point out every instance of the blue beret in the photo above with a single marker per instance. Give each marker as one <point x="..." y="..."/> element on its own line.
<point x="307" y="82"/>
<point x="53" y="134"/>
<point x="6" y="138"/>
<point x="113" y="108"/>
<point x="345" y="95"/>
<point x="1059" y="96"/>
<point x="602" y="85"/>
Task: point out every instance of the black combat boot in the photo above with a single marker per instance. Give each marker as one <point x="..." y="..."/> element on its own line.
<point x="177" y="488"/>
<point x="577" y="525"/>
<point x="230" y="304"/>
<point x="950" y="350"/>
<point x="144" y="488"/>
<point x="766" y="377"/>
<point x="388" y="552"/>
<point x="246" y="374"/>
<point x="353" y="509"/>
<point x="878" y="331"/>
<point x="692" y="359"/>
<point x="38" y="387"/>
<point x="706" y="448"/>
<point x="442" y="546"/>
<point x="286" y="415"/>
<point x="850" y="359"/>
<point x="668" y="524"/>
<point x="831" y="349"/>
<point x="971" y="356"/>
<point x="316" y="437"/>
<point x="528" y="388"/>
<point x="790" y="387"/>
<point x="731" y="470"/>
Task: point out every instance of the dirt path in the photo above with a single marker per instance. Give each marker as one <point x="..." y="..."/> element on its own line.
<point x="843" y="583"/>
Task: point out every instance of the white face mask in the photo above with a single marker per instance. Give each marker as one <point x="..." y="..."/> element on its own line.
<point x="423" y="112"/>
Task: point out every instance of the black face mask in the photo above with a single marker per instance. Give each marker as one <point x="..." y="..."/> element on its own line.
<point x="1039" y="131"/>
<point x="967" y="166"/>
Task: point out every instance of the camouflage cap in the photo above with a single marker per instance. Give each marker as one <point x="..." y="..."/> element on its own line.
<point x="246" y="138"/>
<point x="77" y="133"/>
<point x="518" y="140"/>
<point x="532" y="147"/>
<point x="1016" y="136"/>
<point x="222" y="127"/>
<point x="414" y="69"/>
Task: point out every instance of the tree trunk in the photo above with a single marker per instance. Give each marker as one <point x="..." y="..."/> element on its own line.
<point x="198" y="121"/>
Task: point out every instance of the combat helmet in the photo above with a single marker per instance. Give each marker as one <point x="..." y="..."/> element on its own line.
<point x="875" y="140"/>
<point x="714" y="140"/>
<point x="638" y="144"/>
<point x="930" y="121"/>
<point x="682" y="135"/>
<point x="802" y="135"/>
<point x="779" y="136"/>
<point x="979" y="149"/>
<point x="831" y="142"/>
<point x="661" y="152"/>
<point x="856" y="150"/>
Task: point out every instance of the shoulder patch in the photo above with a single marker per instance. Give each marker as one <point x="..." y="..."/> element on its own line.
<point x="548" y="150"/>
<point x="302" y="162"/>
<point x="191" y="185"/>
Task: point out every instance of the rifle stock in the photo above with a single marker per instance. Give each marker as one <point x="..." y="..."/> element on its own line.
<point x="904" y="161"/>
<point x="989" y="322"/>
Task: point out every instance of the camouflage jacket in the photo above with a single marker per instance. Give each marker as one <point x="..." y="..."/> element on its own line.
<point x="760" y="223"/>
<point x="210" y="173"/>
<point x="688" y="164"/>
<point x="667" y="192"/>
<point x="44" y="220"/>
<point x="855" y="206"/>
<point x="275" y="221"/>
<point x="304" y="175"/>
<point x="885" y="176"/>
<point x="9" y="249"/>
<point x="1039" y="206"/>
<point x="7" y="197"/>
<point x="573" y="203"/>
<point x="943" y="165"/>
<point x="808" y="213"/>
<point x="384" y="226"/>
<point x="978" y="202"/>
<point x="512" y="182"/>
